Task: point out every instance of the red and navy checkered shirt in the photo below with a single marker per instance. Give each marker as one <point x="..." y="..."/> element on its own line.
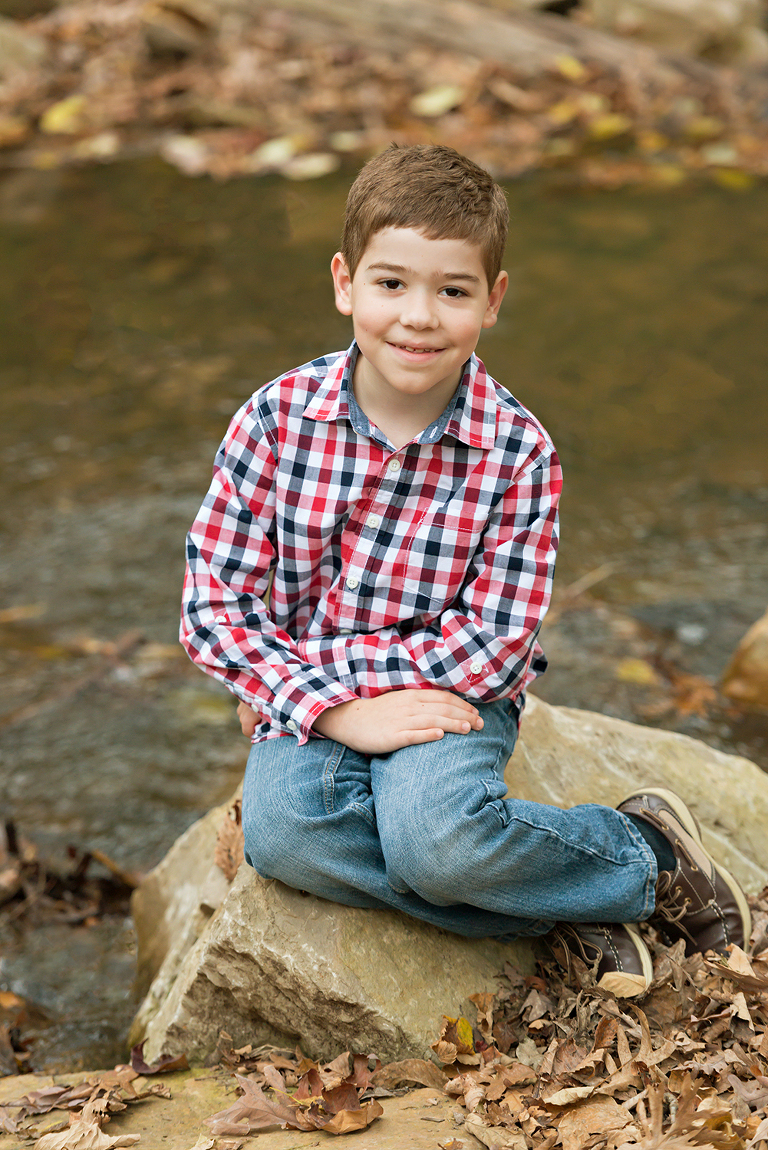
<point x="430" y="566"/>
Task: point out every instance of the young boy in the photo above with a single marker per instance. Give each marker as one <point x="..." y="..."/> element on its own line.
<point x="405" y="505"/>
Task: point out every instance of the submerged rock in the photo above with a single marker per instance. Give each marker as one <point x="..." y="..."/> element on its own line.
<point x="270" y="964"/>
<point x="746" y="677"/>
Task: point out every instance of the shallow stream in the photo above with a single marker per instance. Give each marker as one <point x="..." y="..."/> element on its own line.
<point x="139" y="308"/>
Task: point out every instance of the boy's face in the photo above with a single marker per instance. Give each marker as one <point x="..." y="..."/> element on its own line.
<point x="418" y="307"/>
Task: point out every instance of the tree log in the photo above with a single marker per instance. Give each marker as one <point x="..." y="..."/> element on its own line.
<point x="525" y="41"/>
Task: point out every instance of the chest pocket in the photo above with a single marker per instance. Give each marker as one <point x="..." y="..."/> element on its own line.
<point x="433" y="567"/>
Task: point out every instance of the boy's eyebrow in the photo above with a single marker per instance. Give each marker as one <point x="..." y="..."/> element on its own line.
<point x="382" y="267"/>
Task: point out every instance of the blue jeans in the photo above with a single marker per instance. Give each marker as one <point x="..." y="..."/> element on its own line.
<point x="426" y="830"/>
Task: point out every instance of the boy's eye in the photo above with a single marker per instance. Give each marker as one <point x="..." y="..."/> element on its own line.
<point x="454" y="292"/>
<point x="391" y="284"/>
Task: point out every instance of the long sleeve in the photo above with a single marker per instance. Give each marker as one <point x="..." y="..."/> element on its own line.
<point x="226" y="627"/>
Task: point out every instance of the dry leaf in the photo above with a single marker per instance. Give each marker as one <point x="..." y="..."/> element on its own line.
<point x="346" y="1121"/>
<point x="85" y="1133"/>
<point x="164" y="1066"/>
<point x="416" y="1070"/>
<point x="495" y="1137"/>
<point x="230" y="843"/>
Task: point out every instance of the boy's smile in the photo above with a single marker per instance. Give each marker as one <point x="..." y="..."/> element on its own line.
<point x="418" y="306"/>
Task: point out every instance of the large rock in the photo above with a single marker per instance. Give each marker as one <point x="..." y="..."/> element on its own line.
<point x="746" y="678"/>
<point x="565" y="757"/>
<point x="275" y="965"/>
<point x="729" y="31"/>
<point x="269" y="964"/>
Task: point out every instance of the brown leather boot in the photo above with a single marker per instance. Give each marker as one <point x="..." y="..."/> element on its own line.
<point x="698" y="901"/>
<point x="624" y="965"/>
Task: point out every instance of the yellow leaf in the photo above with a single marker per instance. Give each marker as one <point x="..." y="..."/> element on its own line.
<point x="563" y="111"/>
<point x="733" y="179"/>
<point x="438" y="100"/>
<point x="65" y="117"/>
<point x="610" y="125"/>
<point x="570" y="67"/>
<point x="651" y="141"/>
<point x="667" y="175"/>
<point x="636" y="671"/>
<point x="704" y="127"/>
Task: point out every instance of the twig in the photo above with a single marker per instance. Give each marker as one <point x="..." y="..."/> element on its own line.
<point x="122" y="648"/>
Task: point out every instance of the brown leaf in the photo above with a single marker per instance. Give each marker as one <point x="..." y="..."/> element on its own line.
<point x="230" y="843"/>
<point x="85" y="1133"/>
<point x="484" y="1005"/>
<point x="252" y="1111"/>
<point x="348" y="1120"/>
<point x="596" y="1116"/>
<point x="410" y="1070"/>
<point x="164" y="1066"/>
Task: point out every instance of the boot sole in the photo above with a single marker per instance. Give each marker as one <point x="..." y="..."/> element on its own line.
<point x="689" y="821"/>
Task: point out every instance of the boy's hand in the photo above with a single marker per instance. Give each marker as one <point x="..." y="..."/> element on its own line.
<point x="248" y="719"/>
<point x="398" y="719"/>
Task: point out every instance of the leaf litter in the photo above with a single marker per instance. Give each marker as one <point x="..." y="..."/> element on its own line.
<point x="243" y="93"/>
<point x="554" y="1061"/>
<point x="551" y="1062"/>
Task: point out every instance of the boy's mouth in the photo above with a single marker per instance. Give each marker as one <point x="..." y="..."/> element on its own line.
<point x="416" y="350"/>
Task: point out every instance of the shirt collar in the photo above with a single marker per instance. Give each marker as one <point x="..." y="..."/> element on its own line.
<point x="470" y="415"/>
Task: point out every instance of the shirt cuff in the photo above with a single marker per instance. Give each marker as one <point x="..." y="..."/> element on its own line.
<point x="296" y="710"/>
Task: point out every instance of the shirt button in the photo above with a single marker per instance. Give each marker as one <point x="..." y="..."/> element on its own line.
<point x="345" y="631"/>
<point x="291" y="725"/>
<point x="476" y="668"/>
<point x="394" y="465"/>
<point x="372" y="521"/>
<point x="221" y="618"/>
<point x="352" y="582"/>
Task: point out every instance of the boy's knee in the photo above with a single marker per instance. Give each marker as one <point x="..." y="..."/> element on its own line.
<point x="430" y="863"/>
<point x="274" y="834"/>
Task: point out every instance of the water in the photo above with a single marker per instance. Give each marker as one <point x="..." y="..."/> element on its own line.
<point x="139" y="308"/>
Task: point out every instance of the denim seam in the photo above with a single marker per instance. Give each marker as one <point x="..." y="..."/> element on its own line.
<point x="329" y="778"/>
<point x="364" y="812"/>
<point x="640" y="841"/>
<point x="494" y="802"/>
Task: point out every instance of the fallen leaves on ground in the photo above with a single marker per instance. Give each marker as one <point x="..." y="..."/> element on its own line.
<point x="564" y="1064"/>
<point x="303" y="1094"/>
<point x="85" y="1133"/>
<point x="91" y="1102"/>
<point x="254" y="91"/>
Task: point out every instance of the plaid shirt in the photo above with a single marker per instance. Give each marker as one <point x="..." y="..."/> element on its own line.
<point x="430" y="566"/>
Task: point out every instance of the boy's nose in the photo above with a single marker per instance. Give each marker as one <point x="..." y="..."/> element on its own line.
<point x="418" y="311"/>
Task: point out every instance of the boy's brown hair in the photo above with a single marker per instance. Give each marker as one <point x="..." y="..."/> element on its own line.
<point x="433" y="189"/>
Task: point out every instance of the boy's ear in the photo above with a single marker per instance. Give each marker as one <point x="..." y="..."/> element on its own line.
<point x="494" y="299"/>
<point x="342" y="284"/>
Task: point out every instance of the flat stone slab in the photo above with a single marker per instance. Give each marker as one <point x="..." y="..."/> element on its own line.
<point x="415" y="1121"/>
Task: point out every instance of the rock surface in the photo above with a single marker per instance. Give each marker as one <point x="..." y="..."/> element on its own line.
<point x="275" y="965"/>
<point x="269" y="964"/>
<point x="746" y="678"/>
